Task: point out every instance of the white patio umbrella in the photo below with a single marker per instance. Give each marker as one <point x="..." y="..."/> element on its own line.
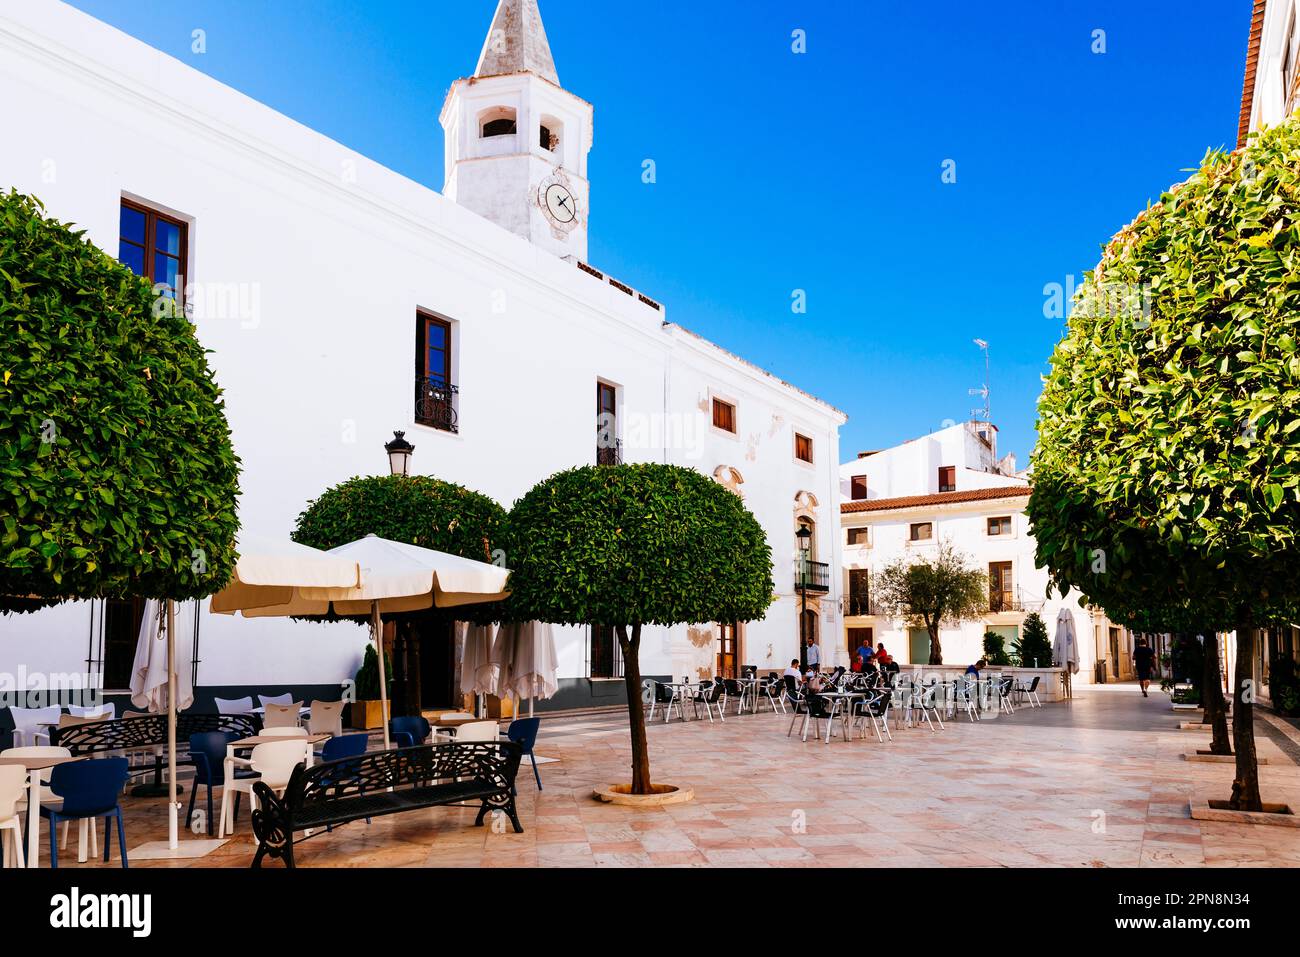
<point x="533" y="661"/>
<point x="1065" y="647"/>
<point x="273" y="571"/>
<point x="395" y="577"/>
<point x="478" y="673"/>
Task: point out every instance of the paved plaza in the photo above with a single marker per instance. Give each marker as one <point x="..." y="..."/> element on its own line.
<point x="1096" y="782"/>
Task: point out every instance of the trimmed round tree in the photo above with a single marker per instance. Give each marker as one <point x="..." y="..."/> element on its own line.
<point x="418" y="510"/>
<point x="635" y="545"/>
<point x="1169" y="431"/>
<point x="117" y="476"/>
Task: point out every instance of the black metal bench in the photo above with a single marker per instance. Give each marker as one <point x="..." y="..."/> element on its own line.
<point x="386" y="782"/>
<point x="147" y="733"/>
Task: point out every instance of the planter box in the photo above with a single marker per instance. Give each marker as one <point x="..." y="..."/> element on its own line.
<point x="366" y="715"/>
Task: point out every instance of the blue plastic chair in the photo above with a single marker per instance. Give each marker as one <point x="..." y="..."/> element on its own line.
<point x="208" y="755"/>
<point x="523" y="731"/>
<point x="89" y="789"/>
<point x="408" y="732"/>
<point x="340" y="749"/>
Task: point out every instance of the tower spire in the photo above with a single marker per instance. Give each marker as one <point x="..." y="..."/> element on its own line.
<point x="516" y="43"/>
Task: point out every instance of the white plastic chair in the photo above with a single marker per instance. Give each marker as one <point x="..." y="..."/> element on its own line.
<point x="281" y="715"/>
<point x="477" y="731"/>
<point x="234" y="705"/>
<point x="274" y="763"/>
<point x="293" y="731"/>
<point x="27" y="724"/>
<point x="13" y="782"/>
<point x="106" y="710"/>
<point x="326" y="718"/>
<point x="49" y="797"/>
<point x="285" y="698"/>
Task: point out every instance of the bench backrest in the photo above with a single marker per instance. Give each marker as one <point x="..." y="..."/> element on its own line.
<point x="149" y="730"/>
<point x="492" y="762"/>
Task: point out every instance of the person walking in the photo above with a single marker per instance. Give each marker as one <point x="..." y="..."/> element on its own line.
<point x="1144" y="657"/>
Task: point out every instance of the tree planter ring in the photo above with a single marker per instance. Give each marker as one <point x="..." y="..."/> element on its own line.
<point x="1275" y="814"/>
<point x="664" y="794"/>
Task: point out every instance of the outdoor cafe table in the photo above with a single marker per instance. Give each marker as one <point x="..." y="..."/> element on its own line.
<point x="34" y="767"/>
<point x="846" y="698"/>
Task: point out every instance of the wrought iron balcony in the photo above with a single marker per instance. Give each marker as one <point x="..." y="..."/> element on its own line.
<point x="435" y="403"/>
<point x="610" y="453"/>
<point x="1004" y="601"/>
<point x="812" y="576"/>
<point x="856" y="604"/>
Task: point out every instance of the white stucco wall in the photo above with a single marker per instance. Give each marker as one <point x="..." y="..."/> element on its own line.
<point x="912" y="468"/>
<point x="330" y="255"/>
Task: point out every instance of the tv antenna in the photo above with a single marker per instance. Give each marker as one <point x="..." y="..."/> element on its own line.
<point x="984" y="391"/>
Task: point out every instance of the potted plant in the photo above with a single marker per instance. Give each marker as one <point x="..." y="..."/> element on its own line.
<point x="366" y="710"/>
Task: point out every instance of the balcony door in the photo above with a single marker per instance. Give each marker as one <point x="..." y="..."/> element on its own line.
<point x="1000" y="591"/>
<point x="607" y="444"/>
<point x="728" y="650"/>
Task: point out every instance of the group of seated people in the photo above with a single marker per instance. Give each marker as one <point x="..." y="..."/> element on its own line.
<point x="867" y="661"/>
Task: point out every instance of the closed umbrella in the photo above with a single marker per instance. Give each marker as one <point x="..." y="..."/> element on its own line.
<point x="503" y="657"/>
<point x="1065" y="648"/>
<point x="478" y="674"/>
<point x="534" y="665"/>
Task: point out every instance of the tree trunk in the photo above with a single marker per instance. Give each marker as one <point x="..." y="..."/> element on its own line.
<point x="1245" y="786"/>
<point x="636" y="714"/>
<point x="1212" y="697"/>
<point x="936" y="649"/>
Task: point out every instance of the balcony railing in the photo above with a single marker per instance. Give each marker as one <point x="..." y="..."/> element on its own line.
<point x="812" y="576"/>
<point x="1003" y="601"/>
<point x="859" y="605"/>
<point x="610" y="453"/>
<point x="435" y="403"/>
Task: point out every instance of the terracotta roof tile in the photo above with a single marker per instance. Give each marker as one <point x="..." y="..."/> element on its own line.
<point x="1252" y="64"/>
<point x="940" y="498"/>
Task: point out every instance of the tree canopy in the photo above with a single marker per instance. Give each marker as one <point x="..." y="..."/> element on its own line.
<point x="1166" y="486"/>
<point x="117" y="475"/>
<point x="637" y="544"/>
<point x="928" y="591"/>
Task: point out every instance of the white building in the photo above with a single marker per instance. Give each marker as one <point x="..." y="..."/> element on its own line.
<point x="342" y="301"/>
<point x="951" y="485"/>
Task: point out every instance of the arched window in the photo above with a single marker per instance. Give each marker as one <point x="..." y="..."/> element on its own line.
<point x="548" y="134"/>
<point x="498" y="122"/>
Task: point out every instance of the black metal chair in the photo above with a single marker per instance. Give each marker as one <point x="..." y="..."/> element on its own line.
<point x="876" y="710"/>
<point x="819" y="709"/>
<point x="666" y="696"/>
<point x="1029" y="692"/>
<point x="710" y="696"/>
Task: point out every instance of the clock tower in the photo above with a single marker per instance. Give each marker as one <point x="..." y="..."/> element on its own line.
<point x="516" y="142"/>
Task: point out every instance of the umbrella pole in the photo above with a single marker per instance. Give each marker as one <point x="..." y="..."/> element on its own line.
<point x="173" y="804"/>
<point x="377" y="626"/>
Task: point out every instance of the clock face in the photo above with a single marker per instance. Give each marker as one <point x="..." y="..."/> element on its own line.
<point x="559" y="203"/>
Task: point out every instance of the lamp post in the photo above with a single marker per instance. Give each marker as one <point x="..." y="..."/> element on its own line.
<point x="804" y="535"/>
<point x="399" y="454"/>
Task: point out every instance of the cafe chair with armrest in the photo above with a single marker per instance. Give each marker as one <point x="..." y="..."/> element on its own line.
<point x="89" y="790"/>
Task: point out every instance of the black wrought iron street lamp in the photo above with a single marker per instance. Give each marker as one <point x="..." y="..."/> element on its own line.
<point x="399" y="454"/>
<point x="805" y="537"/>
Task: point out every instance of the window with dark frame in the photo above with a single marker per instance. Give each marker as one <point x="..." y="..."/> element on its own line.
<point x="859" y="536"/>
<point x="602" y="662"/>
<point x="1000" y="525"/>
<point x="154" y="245"/>
<point x="122" y="621"/>
<point x="947" y="478"/>
<point x="859" y="591"/>
<point x="858" y="488"/>
<point x="803" y="448"/>
<point x="1001" y="595"/>
<point x="501" y="126"/>
<point x="434" y="390"/>
<point x="724" y="416"/>
<point x="608" y="447"/>
<point x="921" y="531"/>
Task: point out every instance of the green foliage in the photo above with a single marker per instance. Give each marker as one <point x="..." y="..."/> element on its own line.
<point x="367" y="680"/>
<point x="1187" y="659"/>
<point x="1169" y="425"/>
<point x="995" y="652"/>
<point x="1033" y="649"/>
<point x="418" y="510"/>
<point x="117" y="476"/>
<point x="929" y="591"/>
<point x="1284" y="685"/>
<point x="637" y="544"/>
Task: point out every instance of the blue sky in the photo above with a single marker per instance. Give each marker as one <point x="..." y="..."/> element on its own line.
<point x="818" y="171"/>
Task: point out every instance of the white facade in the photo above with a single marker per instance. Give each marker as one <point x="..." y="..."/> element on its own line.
<point x="984" y="518"/>
<point x="1273" y="95"/>
<point x="307" y="264"/>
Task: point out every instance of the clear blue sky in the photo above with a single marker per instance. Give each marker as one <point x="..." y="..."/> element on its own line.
<point x="819" y="171"/>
